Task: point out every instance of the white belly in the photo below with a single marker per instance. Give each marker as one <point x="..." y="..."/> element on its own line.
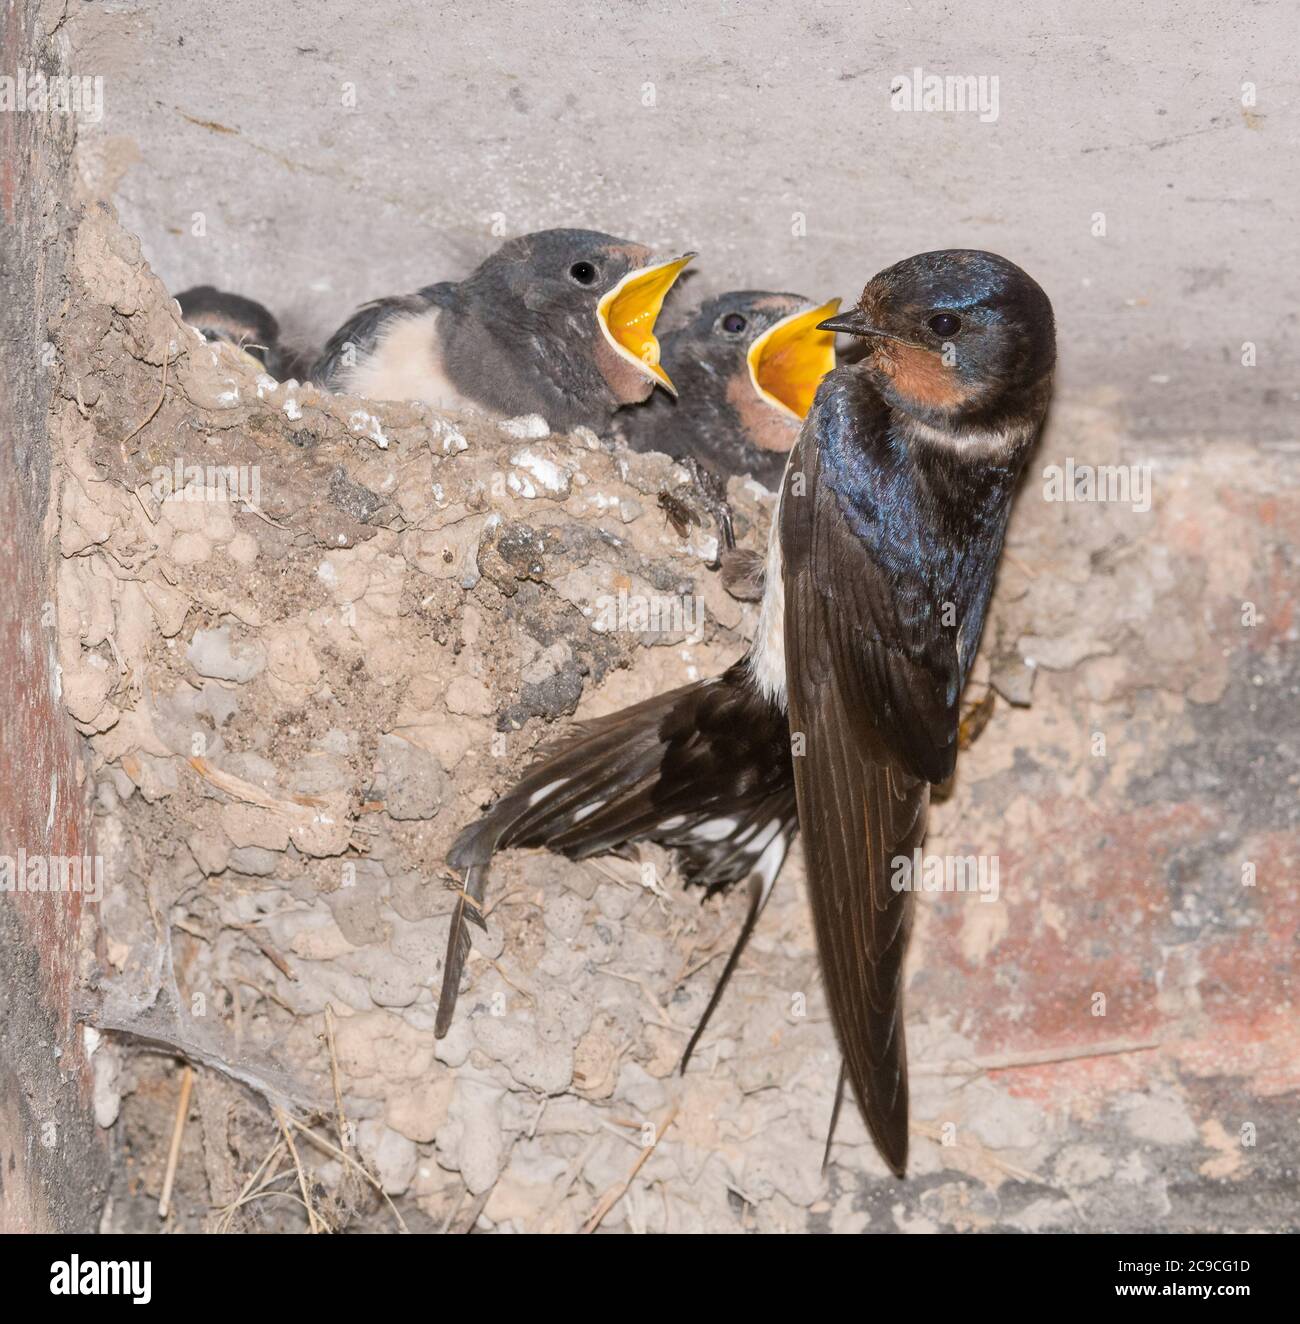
<point x="767" y="658"/>
<point x="405" y="365"/>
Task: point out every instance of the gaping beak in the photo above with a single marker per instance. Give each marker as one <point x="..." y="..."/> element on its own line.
<point x="627" y="314"/>
<point x="788" y="361"/>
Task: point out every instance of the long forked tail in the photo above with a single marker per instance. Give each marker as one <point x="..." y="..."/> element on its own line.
<point x="703" y="770"/>
<point x="760" y="887"/>
<point x="469" y="910"/>
<point x="835" y="1117"/>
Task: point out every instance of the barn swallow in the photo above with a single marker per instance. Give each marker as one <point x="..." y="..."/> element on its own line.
<point x="244" y="323"/>
<point x="558" y="323"/>
<point x="881" y="558"/>
<point x="886" y="542"/>
<point x="748" y="364"/>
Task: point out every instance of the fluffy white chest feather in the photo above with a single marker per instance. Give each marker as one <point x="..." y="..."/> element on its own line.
<point x="405" y="365"/>
<point x="767" y="658"/>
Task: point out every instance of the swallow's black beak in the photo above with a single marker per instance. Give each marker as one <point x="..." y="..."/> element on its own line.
<point x="852" y="323"/>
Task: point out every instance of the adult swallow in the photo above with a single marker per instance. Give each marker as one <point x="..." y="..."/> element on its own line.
<point x="748" y="364"/>
<point x="558" y="323"/>
<point x="880" y="564"/>
<point x="891" y="521"/>
<point x="244" y="323"/>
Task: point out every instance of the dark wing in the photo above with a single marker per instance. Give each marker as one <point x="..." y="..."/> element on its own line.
<point x="703" y="770"/>
<point x="868" y="690"/>
<point x="359" y="335"/>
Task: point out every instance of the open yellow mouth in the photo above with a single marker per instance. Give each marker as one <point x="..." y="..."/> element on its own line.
<point x="627" y="315"/>
<point x="788" y="361"/>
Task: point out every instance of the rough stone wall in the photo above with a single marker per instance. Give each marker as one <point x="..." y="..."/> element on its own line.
<point x="52" y="1161"/>
<point x="290" y="710"/>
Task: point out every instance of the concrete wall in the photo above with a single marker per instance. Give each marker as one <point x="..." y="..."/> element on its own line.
<point x="763" y="111"/>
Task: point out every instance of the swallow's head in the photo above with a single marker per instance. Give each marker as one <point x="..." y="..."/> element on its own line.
<point x="769" y="347"/>
<point x="583" y="304"/>
<point x="242" y="322"/>
<point x="955" y="337"/>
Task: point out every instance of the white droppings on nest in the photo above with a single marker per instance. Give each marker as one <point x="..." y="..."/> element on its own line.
<point x="292" y="409"/>
<point x="452" y="439"/>
<point x="367" y="425"/>
<point x="551" y="475"/>
<point x="527" y="427"/>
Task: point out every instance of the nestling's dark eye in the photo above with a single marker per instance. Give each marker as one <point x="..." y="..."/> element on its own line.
<point x="733" y="323"/>
<point x="944" y="324"/>
<point x="583" y="272"/>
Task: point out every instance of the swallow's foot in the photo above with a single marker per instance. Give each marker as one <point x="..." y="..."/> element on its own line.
<point x="742" y="573"/>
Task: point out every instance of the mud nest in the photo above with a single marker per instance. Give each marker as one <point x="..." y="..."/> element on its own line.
<point x="307" y="637"/>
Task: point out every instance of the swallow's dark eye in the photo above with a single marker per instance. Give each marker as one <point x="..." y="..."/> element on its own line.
<point x="944" y="324"/>
<point x="583" y="272"/>
<point x="733" y="323"/>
